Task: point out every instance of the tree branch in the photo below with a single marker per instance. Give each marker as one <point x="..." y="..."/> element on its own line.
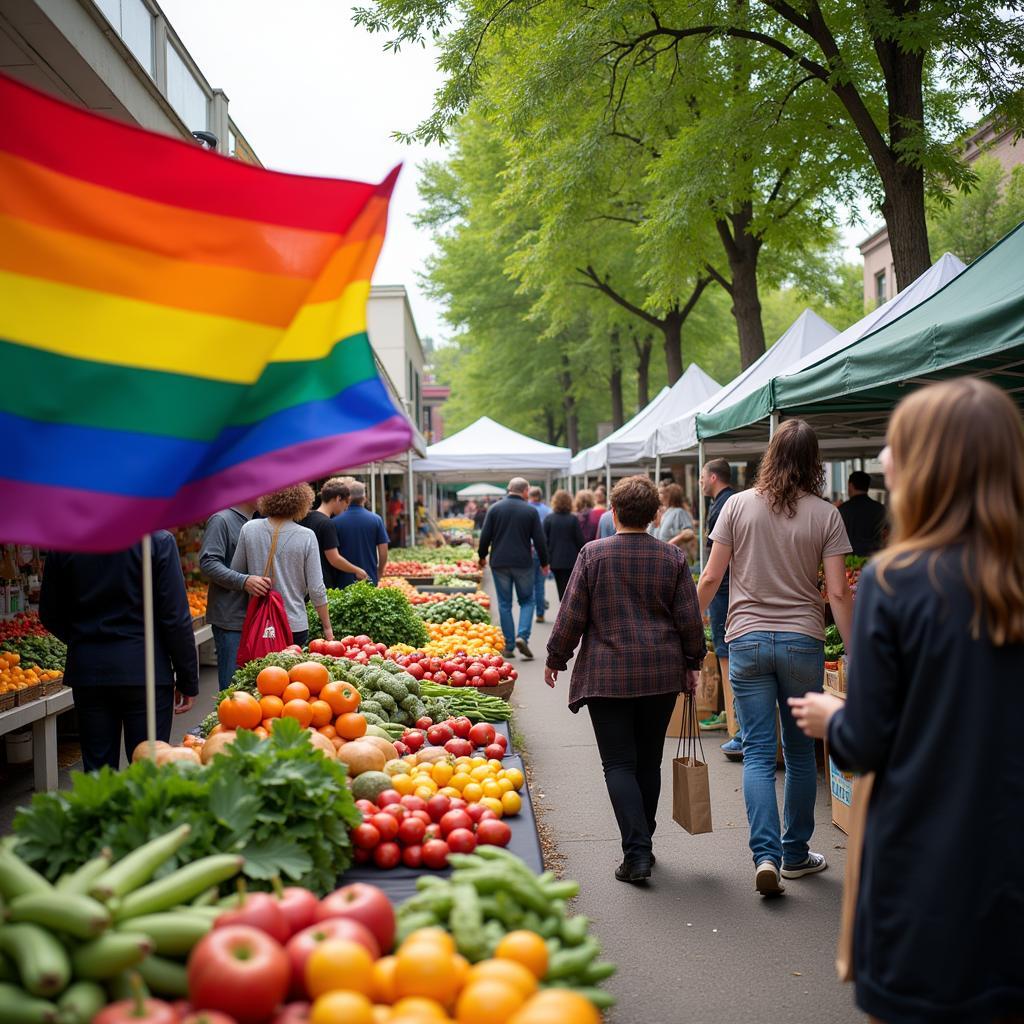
<point x="606" y="289"/>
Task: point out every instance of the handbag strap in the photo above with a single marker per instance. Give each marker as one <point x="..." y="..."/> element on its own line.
<point x="267" y="570"/>
<point x="690" y="724"/>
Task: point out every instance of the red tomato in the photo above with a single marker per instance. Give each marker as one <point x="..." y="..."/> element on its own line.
<point x="388" y="797"/>
<point x="482" y="734"/>
<point x="317" y="646"/>
<point x="415" y="669"/>
<point x="387" y="856"/>
<point x="414" y="803"/>
<point x="435" y="854"/>
<point x="453" y="820"/>
<point x="397" y="811"/>
<point x="155" y="1011"/>
<point x="438" y="806"/>
<point x="424" y="723"/>
<point x="493" y="832"/>
<point x="461" y="840"/>
<point x="411" y="832"/>
<point x="386" y="825"/>
<point x="360" y="856"/>
<point x="494" y="751"/>
<point x="365" y="836"/>
<point x="335" y="648"/>
<point x="239" y="970"/>
<point x="366" y="904"/>
<point x="412" y="856"/>
<point x="458" y="804"/>
<point x="258" y="910"/>
<point x="491" y="676"/>
<point x="362" y="639"/>
<point x="440" y="677"/>
<point x="458" y="679"/>
<point x="504" y="670"/>
<point x="501" y="739"/>
<point x="423" y="816"/>
<point x="459" y="748"/>
<point x="461" y="727"/>
<point x="433" y="832"/>
<point x="402" y="748"/>
<point x="367" y="807"/>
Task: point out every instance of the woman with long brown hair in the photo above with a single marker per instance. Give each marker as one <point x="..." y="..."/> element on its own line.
<point x="934" y="708"/>
<point x="772" y="539"/>
<point x="583" y="505"/>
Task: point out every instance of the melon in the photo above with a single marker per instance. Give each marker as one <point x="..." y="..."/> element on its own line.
<point x="215" y="744"/>
<point x="386" y="747"/>
<point x="362" y="757"/>
<point x="322" y="743"/>
<point x="141" y="751"/>
<point x="370" y="785"/>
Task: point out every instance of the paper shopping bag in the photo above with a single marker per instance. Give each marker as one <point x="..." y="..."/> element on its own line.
<point x="691" y="790"/>
<point x="851" y="882"/>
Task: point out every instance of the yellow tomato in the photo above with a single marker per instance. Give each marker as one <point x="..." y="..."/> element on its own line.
<point x="493" y="804"/>
<point x="481" y="772"/>
<point x="478" y="762"/>
<point x="472" y="793"/>
<point x="460" y="781"/>
<point x="491" y="788"/>
<point x="425" y="792"/>
<point x="404" y="784"/>
<point x="505" y="785"/>
<point x="494" y="764"/>
<point x="442" y="773"/>
<point x="451" y="792"/>
<point x="511" y="803"/>
<point x="516" y="777"/>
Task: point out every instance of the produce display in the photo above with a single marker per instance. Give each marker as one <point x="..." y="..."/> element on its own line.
<point x="19" y="626"/>
<point x="471" y="701"/>
<point x="454" y="609"/>
<point x="459" y="736"/>
<point x="197" y="601"/>
<point x="457" y="669"/>
<point x="834" y="648"/>
<point x="854" y="565"/>
<point x="28" y="653"/>
<point x="14" y="676"/>
<point x="456" y="523"/>
<point x="381" y="612"/>
<point x="451" y="637"/>
<point x="446" y="556"/>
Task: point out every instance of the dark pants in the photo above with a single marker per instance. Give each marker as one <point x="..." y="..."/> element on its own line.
<point x="630" y="734"/>
<point x="300" y="637"/>
<point x="561" y="580"/>
<point x="105" y="711"/>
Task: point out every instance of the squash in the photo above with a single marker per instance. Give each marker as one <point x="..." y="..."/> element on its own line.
<point x="170" y="755"/>
<point x="141" y="752"/>
<point x="360" y="757"/>
<point x="386" y="747"/>
<point x="431" y="755"/>
<point x="322" y="743"/>
<point x="215" y="744"/>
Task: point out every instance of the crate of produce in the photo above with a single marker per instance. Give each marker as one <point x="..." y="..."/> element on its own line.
<point x="833" y="678"/>
<point x="51" y="686"/>
<point x="8" y="700"/>
<point x="27" y="694"/>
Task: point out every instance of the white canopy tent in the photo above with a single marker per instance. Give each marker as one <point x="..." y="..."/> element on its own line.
<point x="490" y="449"/>
<point x="807" y="334"/>
<point x="625" y="446"/>
<point x="480" y="491"/>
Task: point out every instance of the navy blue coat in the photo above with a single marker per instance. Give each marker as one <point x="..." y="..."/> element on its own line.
<point x="937" y="716"/>
<point x="511" y="526"/>
<point x="93" y="602"/>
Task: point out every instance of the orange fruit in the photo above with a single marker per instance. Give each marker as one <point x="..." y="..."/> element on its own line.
<point x="419" y="1008"/>
<point x="382" y="1014"/>
<point x="272" y="681"/>
<point x="431" y="936"/>
<point x="328" y="731"/>
<point x="339" y="964"/>
<point x="342" y="1008"/>
<point x="271" y="706"/>
<point x="351" y="726"/>
<point x="343" y="697"/>
<point x="384" y="979"/>
<point x="488" y="1001"/>
<point x="322" y="713"/>
<point x="295" y="691"/>
<point x="557" y="1006"/>
<point x="461" y="968"/>
<point x="511" y="972"/>
<point x="300" y="710"/>
<point x="526" y="948"/>
<point x="239" y="711"/>
<point x="310" y="673"/>
<point x="425" y="968"/>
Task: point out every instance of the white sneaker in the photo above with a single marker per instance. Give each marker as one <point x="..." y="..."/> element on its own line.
<point x="767" y="881"/>
<point x="815" y="862"/>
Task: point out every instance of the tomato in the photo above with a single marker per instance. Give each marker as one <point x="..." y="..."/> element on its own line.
<point x="461" y="840"/>
<point x="424" y="723"/>
<point x="386" y="825"/>
<point x="258" y="910"/>
<point x="311" y="674"/>
<point x="208" y="1017"/>
<point x="292" y="1013"/>
<point x="240" y="970"/>
<point x="367" y="807"/>
<point x="388" y="797"/>
<point x="414" y="739"/>
<point x="461" y="727"/>
<point x="482" y="734"/>
<point x="365" y="836"/>
<point x="303" y="943"/>
<point x="239" y="711"/>
<point x="388" y="855"/>
<point x="339" y="964"/>
<point x="334" y="648"/>
<point x="361" y="856"/>
<point x="401" y="748"/>
<point x="441" y="677"/>
<point x="458" y="679"/>
<point x="432" y="832"/>
<point x="412" y="856"/>
<point x="366" y="904"/>
<point x="272" y="681"/>
<point x="415" y="669"/>
<point x="439" y="735"/>
<point x="453" y="820"/>
<point x="495" y="751"/>
<point x="414" y="803"/>
<point x="154" y="1011"/>
<point x="458" y="804"/>
<point x="438" y="806"/>
<point x="361" y="639"/>
<point x="492" y="832"/>
<point x="423" y="816"/>
<point x="435" y="854"/>
<point x="501" y="739"/>
<point x="342" y="697"/>
<point x="491" y="676"/>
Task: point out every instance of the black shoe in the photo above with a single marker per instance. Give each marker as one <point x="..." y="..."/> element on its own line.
<point x="654" y="860"/>
<point x="524" y="649"/>
<point x="509" y="653"/>
<point x="634" y="871"/>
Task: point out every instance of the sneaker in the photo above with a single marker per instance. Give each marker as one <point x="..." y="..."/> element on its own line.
<point x="733" y="749"/>
<point x="815" y="862"/>
<point x="524" y="649"/>
<point x="718" y="721"/>
<point x="767" y="881"/>
<point x="509" y="653"/>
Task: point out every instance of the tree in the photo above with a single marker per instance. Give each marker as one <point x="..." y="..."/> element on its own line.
<point x="889" y="76"/>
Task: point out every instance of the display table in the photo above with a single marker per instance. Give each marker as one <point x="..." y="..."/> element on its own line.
<point x="42" y="716"/>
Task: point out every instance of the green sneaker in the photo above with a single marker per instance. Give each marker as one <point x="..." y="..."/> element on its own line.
<point x="714" y="722"/>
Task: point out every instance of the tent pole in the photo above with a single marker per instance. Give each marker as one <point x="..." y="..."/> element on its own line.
<point x="657" y="468"/>
<point x="373" y="487"/>
<point x="703" y="511"/>
<point x="773" y="423"/>
<point x="410" y="503"/>
<point x="608" y="481"/>
<point x="149" y="648"/>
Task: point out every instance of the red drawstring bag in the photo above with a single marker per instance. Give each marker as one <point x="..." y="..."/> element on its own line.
<point x="266" y="627"/>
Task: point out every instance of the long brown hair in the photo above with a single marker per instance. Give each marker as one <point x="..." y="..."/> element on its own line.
<point x="958" y="461"/>
<point x="584" y="500"/>
<point x="791" y="467"/>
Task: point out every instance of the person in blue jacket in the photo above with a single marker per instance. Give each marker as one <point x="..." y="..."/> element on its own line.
<point x="93" y="602"/>
<point x="935" y="702"/>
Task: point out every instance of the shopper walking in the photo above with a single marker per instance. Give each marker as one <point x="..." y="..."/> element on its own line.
<point x="599" y="509"/>
<point x="536" y="500"/>
<point x="228" y="593"/>
<point x="676" y="525"/>
<point x="583" y="506"/>
<point x="632" y="602"/>
<point x="295" y="567"/>
<point x="934" y="707"/>
<point x="334" y="498"/>
<point x="509" y="530"/>
<point x="773" y="538"/>
<point x="565" y="539"/>
<point x="362" y="539"/>
<point x="93" y="603"/>
<point x="863" y="517"/>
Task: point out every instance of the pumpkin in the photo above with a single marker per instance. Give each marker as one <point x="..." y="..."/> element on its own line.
<point x="141" y="752"/>
<point x="386" y="747"/>
<point x="361" y="756"/>
<point x="168" y="755"/>
<point x="322" y="743"/>
<point x="215" y="744"/>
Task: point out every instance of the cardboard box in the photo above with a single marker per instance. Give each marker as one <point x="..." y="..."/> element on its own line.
<point x="840" y="786"/>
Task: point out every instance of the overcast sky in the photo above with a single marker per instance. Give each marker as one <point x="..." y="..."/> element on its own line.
<point x="314" y="94"/>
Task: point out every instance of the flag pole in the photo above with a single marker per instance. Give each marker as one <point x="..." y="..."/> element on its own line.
<point x="149" y="643"/>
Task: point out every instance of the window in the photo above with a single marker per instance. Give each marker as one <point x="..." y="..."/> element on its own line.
<point x="232" y="142"/>
<point x="184" y="93"/>
<point x="880" y="289"/>
<point x="133" y="22"/>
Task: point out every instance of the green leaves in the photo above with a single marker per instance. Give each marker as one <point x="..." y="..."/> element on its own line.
<point x="382" y="613"/>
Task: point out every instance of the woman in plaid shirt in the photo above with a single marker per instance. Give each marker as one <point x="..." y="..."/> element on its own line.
<point x="632" y="601"/>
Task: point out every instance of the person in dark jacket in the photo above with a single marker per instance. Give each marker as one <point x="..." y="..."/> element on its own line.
<point x="934" y="706"/>
<point x="94" y="604"/>
<point x="863" y="517"/>
<point x="511" y="526"/>
<point x="564" y="535"/>
<point x="632" y="602"/>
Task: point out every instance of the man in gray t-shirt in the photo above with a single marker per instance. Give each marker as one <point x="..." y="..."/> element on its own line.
<point x="229" y="591"/>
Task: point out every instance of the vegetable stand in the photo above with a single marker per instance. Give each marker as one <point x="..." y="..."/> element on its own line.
<point x="42" y="716"/>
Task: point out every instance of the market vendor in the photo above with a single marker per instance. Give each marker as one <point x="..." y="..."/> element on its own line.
<point x="93" y="602"/>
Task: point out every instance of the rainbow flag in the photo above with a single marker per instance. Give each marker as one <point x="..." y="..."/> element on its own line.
<point x="178" y="330"/>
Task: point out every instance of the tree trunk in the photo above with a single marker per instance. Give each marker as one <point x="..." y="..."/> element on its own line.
<point x="672" y="330"/>
<point x="569" y="407"/>
<point x="742" y="250"/>
<point x="615" y="381"/>
<point x="549" y="422"/>
<point x="643" y="371"/>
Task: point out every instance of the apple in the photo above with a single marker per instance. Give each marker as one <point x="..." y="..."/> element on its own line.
<point x="298" y="906"/>
<point x="366" y="904"/>
<point x="258" y="910"/>
<point x="303" y="943"/>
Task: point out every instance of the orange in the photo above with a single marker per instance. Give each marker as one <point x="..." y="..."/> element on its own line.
<point x="271" y="706"/>
<point x="328" y="731"/>
<point x="295" y="691"/>
<point x="461" y="968"/>
<point x="342" y="697"/>
<point x="311" y="673"/>
<point x="488" y="1001"/>
<point x="239" y="711"/>
<point x="431" y="936"/>
<point x="526" y="948"/>
<point x="339" y="964"/>
<point x="351" y="726"/>
<point x="419" y="1008"/>
<point x="300" y="710"/>
<point x="509" y="971"/>
<point x="384" y="979"/>
<point x="557" y="1006"/>
<point x="511" y="802"/>
<point x="426" y="968"/>
<point x="342" y="1008"/>
<point x="322" y="713"/>
<point x="272" y="681"/>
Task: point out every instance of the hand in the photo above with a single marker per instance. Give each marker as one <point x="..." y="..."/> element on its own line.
<point x="550" y="675"/>
<point x="329" y="634"/>
<point x="814" y="711"/>
<point x="258" y="586"/>
<point x="692" y="679"/>
<point x="483" y="563"/>
<point x="545" y="569"/>
<point x="182" y="702"/>
<point x="361" y="574"/>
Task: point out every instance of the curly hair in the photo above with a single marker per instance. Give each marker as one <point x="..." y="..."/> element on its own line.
<point x="791" y="467"/>
<point x="561" y="501"/>
<point x="584" y="500"/>
<point x="288" y="503"/>
<point x="635" y="501"/>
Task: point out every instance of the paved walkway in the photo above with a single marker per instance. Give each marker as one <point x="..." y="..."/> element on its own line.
<point x="698" y="946"/>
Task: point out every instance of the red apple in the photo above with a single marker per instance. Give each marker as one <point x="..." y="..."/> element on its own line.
<point x="303" y="943"/>
<point x="258" y="910"/>
<point x="366" y="904"/>
<point x="298" y="906"/>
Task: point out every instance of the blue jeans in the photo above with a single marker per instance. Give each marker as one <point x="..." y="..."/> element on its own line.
<point x="227" y="642"/>
<point x="539" y="597"/>
<point x="766" y="669"/>
<point x="523" y="581"/>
